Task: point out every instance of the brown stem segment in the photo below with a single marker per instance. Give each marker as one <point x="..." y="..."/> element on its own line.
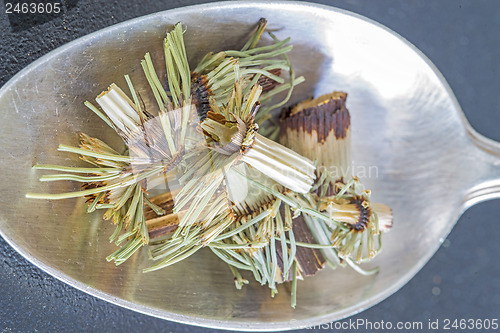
<point x="159" y="225"/>
<point x="309" y="261"/>
<point x="319" y="129"/>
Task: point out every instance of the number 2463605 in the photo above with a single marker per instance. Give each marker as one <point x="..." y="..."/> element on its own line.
<point x="477" y="324"/>
<point x="32" y="8"/>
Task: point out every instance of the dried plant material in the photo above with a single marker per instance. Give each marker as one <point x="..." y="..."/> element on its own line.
<point x="320" y="128"/>
<point x="155" y="146"/>
<point x="198" y="171"/>
<point x="215" y="74"/>
<point x="309" y="261"/>
<point x="231" y="137"/>
<point x="362" y="239"/>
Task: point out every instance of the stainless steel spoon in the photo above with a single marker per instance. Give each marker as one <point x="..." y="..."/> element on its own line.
<point x="411" y="141"/>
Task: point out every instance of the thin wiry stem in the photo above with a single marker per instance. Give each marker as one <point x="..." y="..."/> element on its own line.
<point x="293" y="298"/>
<point x="75" y="169"/>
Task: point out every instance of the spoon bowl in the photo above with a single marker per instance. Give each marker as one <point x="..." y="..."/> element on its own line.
<point x="412" y="146"/>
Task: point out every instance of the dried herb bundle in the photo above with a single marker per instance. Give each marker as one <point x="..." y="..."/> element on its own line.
<point x="258" y="205"/>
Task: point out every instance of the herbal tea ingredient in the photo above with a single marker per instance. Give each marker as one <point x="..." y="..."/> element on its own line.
<point x="269" y="208"/>
<point x="320" y="128"/>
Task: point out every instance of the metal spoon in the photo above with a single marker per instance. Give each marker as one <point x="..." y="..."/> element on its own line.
<point x="410" y="138"/>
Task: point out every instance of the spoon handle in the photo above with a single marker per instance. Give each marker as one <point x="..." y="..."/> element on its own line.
<point x="486" y="165"/>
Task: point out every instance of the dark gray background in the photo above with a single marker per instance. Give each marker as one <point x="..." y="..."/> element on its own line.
<point x="461" y="281"/>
